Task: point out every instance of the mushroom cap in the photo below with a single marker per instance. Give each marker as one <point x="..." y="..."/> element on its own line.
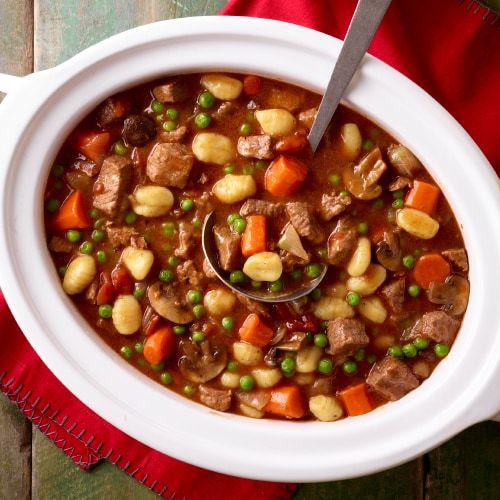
<point x="453" y="294"/>
<point x="202" y="362"/>
<point x="169" y="304"/>
<point x="389" y="251"/>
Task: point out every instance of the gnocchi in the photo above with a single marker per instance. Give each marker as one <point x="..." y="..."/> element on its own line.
<point x="250" y="412"/>
<point x="351" y="140"/>
<point x="138" y="261"/>
<point x="230" y="380"/>
<point x="210" y="147"/>
<point x="266" y="377"/>
<point x="325" y="408"/>
<point x="307" y="359"/>
<point x="234" y="188"/>
<point x="247" y="354"/>
<point x="417" y="223"/>
<point x="383" y="342"/>
<point x="304" y="378"/>
<point x="327" y="308"/>
<point x="263" y="266"/>
<point x="373" y="309"/>
<point x="275" y="122"/>
<point x="367" y="283"/>
<point x="151" y="201"/>
<point x="79" y="274"/>
<point x="126" y="314"/>
<point x="361" y="258"/>
<point x="222" y="87"/>
<point x="219" y="301"/>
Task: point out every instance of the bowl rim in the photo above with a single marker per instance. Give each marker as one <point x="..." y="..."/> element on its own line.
<point x="236" y="445"/>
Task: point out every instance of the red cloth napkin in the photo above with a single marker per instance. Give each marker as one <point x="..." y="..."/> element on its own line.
<point x="448" y="48"/>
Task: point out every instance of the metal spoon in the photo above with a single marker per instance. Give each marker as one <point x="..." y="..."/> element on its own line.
<point x="364" y="24"/>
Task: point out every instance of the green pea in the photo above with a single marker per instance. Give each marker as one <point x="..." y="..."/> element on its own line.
<point x="94" y="213"/>
<point x="315" y="294"/>
<point x="349" y="367"/>
<point x="139" y="291"/>
<point x="313" y="270"/>
<point x="334" y="179"/>
<point x="187" y="204"/>
<point x="296" y="274"/>
<point x="353" y="299"/>
<point x="188" y="390"/>
<point x="73" y="235"/>
<point x="99" y="223"/>
<point x="52" y="205"/>
<point x="197" y="223"/>
<point x="229" y="169"/>
<point x="57" y="186"/>
<point x="119" y="148"/>
<point x="236" y="277"/>
<point x="362" y="228"/>
<point x="371" y="358"/>
<point x="206" y="99"/>
<point x="398" y="194"/>
<point x="166" y="275"/>
<point x="179" y="329"/>
<point x="101" y="256"/>
<point x="62" y="270"/>
<point x="420" y="343"/>
<point x="130" y="217"/>
<point x="168" y="228"/>
<point x="395" y="351"/>
<point x="245" y="128"/>
<point x="139" y="347"/>
<point x="275" y="286"/>
<point x="344" y="193"/>
<point x="367" y="144"/>
<point x="197" y="337"/>
<point x="378" y="203"/>
<point x="246" y="383"/>
<point x="194" y="296"/>
<point x="172" y="261"/>
<point x="288" y="365"/>
<point x="441" y="350"/>
<point x="232" y="217"/>
<point x="414" y="290"/>
<point x="158" y="367"/>
<point x="248" y="169"/>
<point x="325" y="366"/>
<point x="198" y="311"/>
<point x="166" y="378"/>
<point x="105" y="311"/>
<point x="359" y="355"/>
<point x="409" y="350"/>
<point x="157" y="106"/>
<point x="255" y="284"/>
<point x="126" y="352"/>
<point x="320" y="340"/>
<point x="408" y="261"/>
<point x="232" y="366"/>
<point x="172" y="113"/>
<point x="417" y="252"/>
<point x="57" y="171"/>
<point x="98" y="235"/>
<point x="87" y="247"/>
<point x="398" y="203"/>
<point x="322" y="253"/>
<point x="141" y="362"/>
<point x="169" y="126"/>
<point x="227" y="322"/>
<point x="167" y="247"/>
<point x="202" y="120"/>
<point x="261" y="164"/>
<point x="239" y="225"/>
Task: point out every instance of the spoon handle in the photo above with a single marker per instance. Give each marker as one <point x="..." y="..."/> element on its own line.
<point x="364" y="24"/>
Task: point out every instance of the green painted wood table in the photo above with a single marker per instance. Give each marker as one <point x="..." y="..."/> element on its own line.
<point x="38" y="34"/>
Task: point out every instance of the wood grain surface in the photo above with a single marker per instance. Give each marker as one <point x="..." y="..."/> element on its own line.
<point x="39" y="34"/>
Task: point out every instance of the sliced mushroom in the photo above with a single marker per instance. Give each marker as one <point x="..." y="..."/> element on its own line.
<point x="169" y="304"/>
<point x="399" y="183"/>
<point x="278" y="336"/>
<point x="361" y="181"/>
<point x="202" y="362"/>
<point x="293" y="343"/>
<point x="273" y="357"/>
<point x="257" y="399"/>
<point x="453" y="294"/>
<point x="389" y="251"/>
<point x="403" y="160"/>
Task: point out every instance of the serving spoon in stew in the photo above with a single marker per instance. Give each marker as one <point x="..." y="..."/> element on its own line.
<point x="364" y="24"/>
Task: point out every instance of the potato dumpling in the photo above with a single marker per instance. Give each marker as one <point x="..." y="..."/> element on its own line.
<point x="307" y="359"/>
<point x="247" y="354"/>
<point x="327" y="308"/>
<point x="417" y="223"/>
<point x="275" y="122"/>
<point x="210" y="147"/>
<point x="249" y="411"/>
<point x="234" y="188"/>
<point x="223" y="87"/>
<point x="373" y="309"/>
<point x="351" y="140"/>
<point x="219" y="301"/>
<point x="126" y="314"/>
<point x="230" y="380"/>
<point x="79" y="274"/>
<point x="325" y="408"/>
<point x="138" y="261"/>
<point x="151" y="201"/>
<point x="266" y="377"/>
<point x="361" y="258"/>
<point x="367" y="283"/>
<point x="263" y="266"/>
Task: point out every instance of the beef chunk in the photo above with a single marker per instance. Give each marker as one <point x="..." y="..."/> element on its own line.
<point x="346" y="336"/>
<point x="138" y="242"/>
<point x="88" y="167"/>
<point x="458" y="258"/>
<point x="255" y="146"/>
<point x="169" y="164"/>
<point x="226" y="109"/>
<point x="60" y="245"/>
<point x="218" y="399"/>
<point x="437" y="326"/>
<point x="78" y="180"/>
<point x="176" y="135"/>
<point x="187" y="273"/>
<point x="341" y="241"/>
<point x="187" y="240"/>
<point x="262" y="207"/>
<point x="290" y="261"/>
<point x="138" y="129"/>
<point x="173" y="91"/>
<point x="303" y="220"/>
<point x="110" y="188"/>
<point x="394" y="294"/>
<point x="332" y="205"/>
<point x="291" y="98"/>
<point x="399" y="183"/>
<point x="391" y="378"/>
<point x="208" y="269"/>
<point x="113" y="109"/>
<point x="120" y="236"/>
<point x="307" y="117"/>
<point x="228" y="245"/>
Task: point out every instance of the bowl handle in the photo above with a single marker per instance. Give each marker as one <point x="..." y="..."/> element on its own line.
<point x="9" y="82"/>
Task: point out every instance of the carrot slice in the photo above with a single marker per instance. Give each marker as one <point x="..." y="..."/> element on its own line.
<point x="423" y="196"/>
<point x="159" y="345"/>
<point x="72" y="213"/>
<point x="431" y="267"/>
<point x="284" y="176"/>
<point x="255" y="331"/>
<point x="286" y="401"/>
<point x="254" y="237"/>
<point x="252" y="84"/>
<point x="356" y="400"/>
<point x="93" y="145"/>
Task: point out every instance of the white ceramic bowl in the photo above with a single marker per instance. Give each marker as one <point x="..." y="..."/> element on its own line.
<point x="43" y="108"/>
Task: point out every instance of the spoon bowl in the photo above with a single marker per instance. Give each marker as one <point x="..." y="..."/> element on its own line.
<point x="210" y="252"/>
